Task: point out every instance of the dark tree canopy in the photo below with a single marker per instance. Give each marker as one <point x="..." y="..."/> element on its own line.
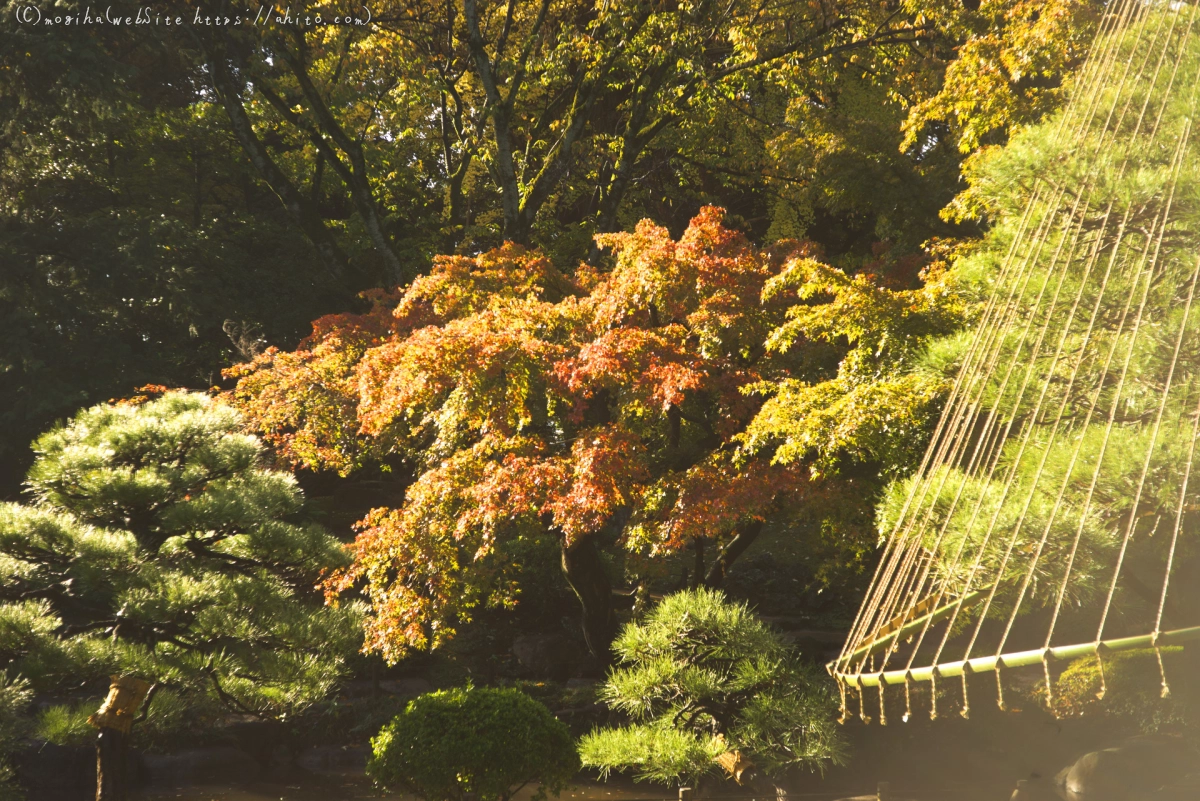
<point x="176" y="196"/>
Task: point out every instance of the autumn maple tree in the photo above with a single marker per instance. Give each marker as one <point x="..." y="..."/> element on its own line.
<point x="600" y="407"/>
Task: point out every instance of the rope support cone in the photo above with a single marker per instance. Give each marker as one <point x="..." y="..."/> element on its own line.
<point x="1076" y="379"/>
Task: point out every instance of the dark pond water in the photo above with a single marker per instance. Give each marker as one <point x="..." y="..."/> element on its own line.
<point x="978" y="759"/>
<point x="355" y="789"/>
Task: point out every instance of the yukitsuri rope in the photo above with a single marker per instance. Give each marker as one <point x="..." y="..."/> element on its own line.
<point x="900" y="557"/>
<point x="1016" y="342"/>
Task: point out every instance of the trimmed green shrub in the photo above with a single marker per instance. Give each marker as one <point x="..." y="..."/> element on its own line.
<point x="489" y="742"/>
<point x="1130" y="693"/>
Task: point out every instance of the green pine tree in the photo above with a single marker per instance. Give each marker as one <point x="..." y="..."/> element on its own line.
<point x="159" y="545"/>
<point x="1087" y="383"/>
<point x="702" y="677"/>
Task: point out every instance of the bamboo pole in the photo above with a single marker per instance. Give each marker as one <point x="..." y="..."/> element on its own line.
<point x="982" y="664"/>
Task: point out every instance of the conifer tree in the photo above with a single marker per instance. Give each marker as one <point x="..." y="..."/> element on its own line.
<point x="1075" y="454"/>
<point x="159" y="545"/>
<point x="707" y="686"/>
<point x="14" y="699"/>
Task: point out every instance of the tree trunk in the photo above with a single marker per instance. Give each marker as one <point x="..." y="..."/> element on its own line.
<point x="110" y="765"/>
<point x="197" y="187"/>
<point x="503" y="167"/>
<point x="636" y="138"/>
<point x="365" y="202"/>
<point x="585" y="573"/>
<point x="504" y="173"/>
<point x="356" y="179"/>
<point x="610" y="204"/>
<point x="613" y="195"/>
<point x="742" y="539"/>
<point x="457" y="213"/>
<point x="115" y="717"/>
<point x="299" y="208"/>
<point x="328" y="137"/>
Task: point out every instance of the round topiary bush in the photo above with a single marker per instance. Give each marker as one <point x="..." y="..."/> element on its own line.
<point x="479" y="740"/>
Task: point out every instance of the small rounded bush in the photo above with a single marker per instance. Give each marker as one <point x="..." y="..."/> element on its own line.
<point x="479" y="740"/>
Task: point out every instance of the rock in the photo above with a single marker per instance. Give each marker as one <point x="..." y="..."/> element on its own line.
<point x="1139" y="766"/>
<point x="219" y="765"/>
<point x="1097" y="776"/>
<point x="883" y="792"/>
<point x="333" y="759"/>
<point x="1032" y="790"/>
<point x="545" y="656"/>
<point x="258" y="738"/>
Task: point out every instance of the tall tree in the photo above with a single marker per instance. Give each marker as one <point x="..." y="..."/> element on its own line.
<point x="154" y="179"/>
<point x="1011" y="65"/>
<point x="341" y="100"/>
<point x="1088" y="435"/>
<point x="135" y="238"/>
<point x="136" y="268"/>
<point x="540" y="90"/>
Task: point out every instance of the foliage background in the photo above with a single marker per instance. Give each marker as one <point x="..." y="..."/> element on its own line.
<point x="177" y="201"/>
